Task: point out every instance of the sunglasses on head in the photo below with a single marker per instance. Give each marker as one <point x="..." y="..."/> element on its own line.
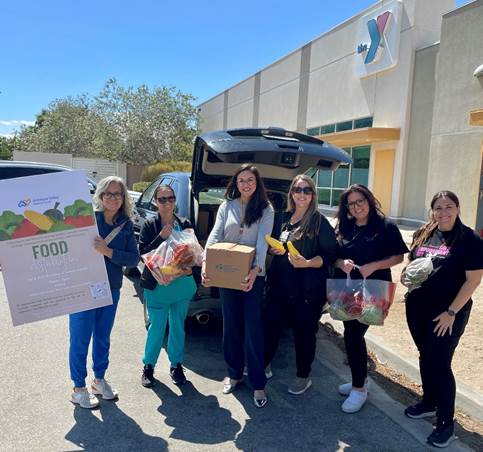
<point x="165" y="199"/>
<point x="304" y="190"/>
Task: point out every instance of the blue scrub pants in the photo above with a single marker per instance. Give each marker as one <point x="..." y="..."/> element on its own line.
<point x="96" y="324"/>
<point x="168" y="304"/>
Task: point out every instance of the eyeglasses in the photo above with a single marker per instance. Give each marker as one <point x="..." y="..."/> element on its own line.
<point x="165" y="199"/>
<point x="358" y="202"/>
<point x="304" y="190"/>
<point x="249" y="181"/>
<point x="110" y="195"/>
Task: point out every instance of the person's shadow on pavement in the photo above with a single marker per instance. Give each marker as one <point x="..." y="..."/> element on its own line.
<point x="195" y="418"/>
<point x="116" y="431"/>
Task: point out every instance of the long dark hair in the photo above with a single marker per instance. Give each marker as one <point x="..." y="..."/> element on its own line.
<point x="310" y="223"/>
<point x="426" y="231"/>
<point x="258" y="201"/>
<point x="345" y="221"/>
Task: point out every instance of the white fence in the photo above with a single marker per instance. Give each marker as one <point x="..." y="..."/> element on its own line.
<point x="95" y="168"/>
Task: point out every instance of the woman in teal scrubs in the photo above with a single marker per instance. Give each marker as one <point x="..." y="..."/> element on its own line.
<point x="164" y="303"/>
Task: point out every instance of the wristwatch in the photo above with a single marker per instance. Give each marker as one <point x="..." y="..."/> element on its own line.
<point x="451" y="313"/>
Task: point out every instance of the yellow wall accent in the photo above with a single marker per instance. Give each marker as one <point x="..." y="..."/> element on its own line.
<point x="359" y="137"/>
<point x="383" y="174"/>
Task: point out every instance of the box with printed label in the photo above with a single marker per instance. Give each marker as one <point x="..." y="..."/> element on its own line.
<point x="227" y="264"/>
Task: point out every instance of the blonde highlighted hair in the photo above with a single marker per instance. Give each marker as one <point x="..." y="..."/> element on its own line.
<point x="126" y="208"/>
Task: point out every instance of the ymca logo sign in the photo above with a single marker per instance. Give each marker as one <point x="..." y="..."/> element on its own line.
<point x="376" y="28"/>
<point x="377" y="44"/>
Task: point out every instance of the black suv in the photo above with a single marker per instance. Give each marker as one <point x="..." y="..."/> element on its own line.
<point x="278" y="154"/>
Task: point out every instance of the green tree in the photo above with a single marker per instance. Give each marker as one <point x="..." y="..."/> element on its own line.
<point x="70" y="126"/>
<point x="154" y="124"/>
<point x="7" y="146"/>
<point x="135" y="125"/>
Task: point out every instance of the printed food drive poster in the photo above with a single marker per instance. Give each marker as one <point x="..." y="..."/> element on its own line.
<point x="49" y="264"/>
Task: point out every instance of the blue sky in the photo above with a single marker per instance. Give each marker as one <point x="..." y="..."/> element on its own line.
<point x="54" y="49"/>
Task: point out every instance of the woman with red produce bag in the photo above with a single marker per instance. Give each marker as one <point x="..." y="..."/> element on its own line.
<point x="368" y="246"/>
<point x="438" y="308"/>
<point x="164" y="303"/>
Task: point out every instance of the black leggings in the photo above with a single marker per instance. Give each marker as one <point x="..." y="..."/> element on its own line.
<point x="355" y="346"/>
<point x="303" y="314"/>
<point x="435" y="356"/>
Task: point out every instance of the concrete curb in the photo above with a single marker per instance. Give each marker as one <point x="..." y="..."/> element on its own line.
<point x="467" y="399"/>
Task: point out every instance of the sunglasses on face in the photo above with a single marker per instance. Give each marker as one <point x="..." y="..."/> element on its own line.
<point x="304" y="190"/>
<point x="110" y="195"/>
<point x="358" y="202"/>
<point x="165" y="199"/>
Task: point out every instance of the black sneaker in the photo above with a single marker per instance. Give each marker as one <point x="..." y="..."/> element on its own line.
<point x="147" y="380"/>
<point x="442" y="435"/>
<point x="177" y="375"/>
<point x="419" y="411"/>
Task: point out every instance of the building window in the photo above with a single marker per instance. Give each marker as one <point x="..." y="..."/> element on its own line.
<point x="327" y="129"/>
<point x="362" y="122"/>
<point x="341" y="126"/>
<point x="331" y="184"/>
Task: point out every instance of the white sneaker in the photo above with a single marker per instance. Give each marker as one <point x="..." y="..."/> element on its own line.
<point x="346" y="388"/>
<point x="103" y="388"/>
<point x="354" y="402"/>
<point x="84" y="399"/>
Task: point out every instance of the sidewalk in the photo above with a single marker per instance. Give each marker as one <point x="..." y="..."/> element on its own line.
<point x="394" y="346"/>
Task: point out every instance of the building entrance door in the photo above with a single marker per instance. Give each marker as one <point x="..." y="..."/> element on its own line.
<point x="383" y="174"/>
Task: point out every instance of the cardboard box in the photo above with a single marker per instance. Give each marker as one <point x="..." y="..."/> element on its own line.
<point x="227" y="264"/>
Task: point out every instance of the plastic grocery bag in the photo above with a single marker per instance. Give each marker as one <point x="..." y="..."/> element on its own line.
<point x="365" y="300"/>
<point x="178" y="252"/>
<point x="417" y="272"/>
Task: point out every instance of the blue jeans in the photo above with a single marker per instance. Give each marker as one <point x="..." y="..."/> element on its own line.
<point x="167" y="304"/>
<point x="96" y="324"/>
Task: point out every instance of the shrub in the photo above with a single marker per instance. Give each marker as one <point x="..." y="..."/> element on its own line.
<point x="140" y="186"/>
<point x="152" y="171"/>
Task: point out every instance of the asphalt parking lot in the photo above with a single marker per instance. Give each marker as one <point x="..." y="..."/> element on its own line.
<point x="35" y="413"/>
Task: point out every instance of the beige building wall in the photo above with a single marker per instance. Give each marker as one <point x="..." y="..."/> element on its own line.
<point x="319" y="84"/>
<point x="419" y="139"/>
<point x="240" y="104"/>
<point x="455" y="152"/>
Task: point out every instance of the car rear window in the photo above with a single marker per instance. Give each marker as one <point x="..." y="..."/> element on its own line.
<point x="212" y="196"/>
<point x="13" y="171"/>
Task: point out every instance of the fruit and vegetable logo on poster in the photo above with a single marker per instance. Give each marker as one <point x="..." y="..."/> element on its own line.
<point x="47" y="231"/>
<point x="32" y="222"/>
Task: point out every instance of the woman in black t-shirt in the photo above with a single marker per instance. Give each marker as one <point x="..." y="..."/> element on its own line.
<point x="297" y="284"/>
<point x="438" y="311"/>
<point x="368" y="246"/>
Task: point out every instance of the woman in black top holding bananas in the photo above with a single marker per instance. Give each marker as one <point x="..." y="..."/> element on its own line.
<point x="297" y="278"/>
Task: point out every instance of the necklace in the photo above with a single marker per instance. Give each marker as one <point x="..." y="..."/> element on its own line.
<point x="242" y="216"/>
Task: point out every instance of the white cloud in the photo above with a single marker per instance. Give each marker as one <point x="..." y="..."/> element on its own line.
<point x="7" y="135"/>
<point x="16" y="122"/>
